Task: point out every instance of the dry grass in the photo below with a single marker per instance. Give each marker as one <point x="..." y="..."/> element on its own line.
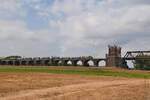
<point x="47" y="86"/>
<point x="15" y="82"/>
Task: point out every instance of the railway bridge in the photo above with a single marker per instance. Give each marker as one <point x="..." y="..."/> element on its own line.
<point x="53" y="61"/>
<point x="113" y="58"/>
<point x="136" y="55"/>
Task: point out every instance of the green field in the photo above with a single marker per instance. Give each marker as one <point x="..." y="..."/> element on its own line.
<point x="117" y="72"/>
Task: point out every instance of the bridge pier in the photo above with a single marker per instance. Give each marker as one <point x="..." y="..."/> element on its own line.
<point x="30" y="63"/>
<point x="64" y="62"/>
<point x="124" y="64"/>
<point x="46" y="62"/>
<point x="4" y="63"/>
<point x="10" y="62"/>
<point x="74" y="63"/>
<point x="55" y="62"/>
<point x="38" y="62"/>
<point x="96" y="63"/>
<point x="13" y="63"/>
<point x="34" y="62"/>
<point x="42" y="62"/>
<point x="23" y="63"/>
<point x="16" y="63"/>
<point x="50" y="63"/>
<point x="85" y="63"/>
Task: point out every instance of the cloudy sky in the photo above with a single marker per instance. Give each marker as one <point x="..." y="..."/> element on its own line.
<point x="73" y="27"/>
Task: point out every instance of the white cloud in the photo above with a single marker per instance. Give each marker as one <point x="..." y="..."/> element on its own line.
<point x="16" y="38"/>
<point x="10" y="5"/>
<point x="14" y="29"/>
<point x="104" y="21"/>
<point x="78" y="27"/>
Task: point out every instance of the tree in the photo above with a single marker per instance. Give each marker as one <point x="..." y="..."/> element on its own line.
<point x="142" y="64"/>
<point x="12" y="57"/>
<point x="49" y="63"/>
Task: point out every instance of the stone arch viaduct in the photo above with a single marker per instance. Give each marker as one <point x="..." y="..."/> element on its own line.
<point x="113" y="58"/>
<point x="54" y="61"/>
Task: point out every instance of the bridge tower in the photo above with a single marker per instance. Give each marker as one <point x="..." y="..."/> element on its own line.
<point x="113" y="58"/>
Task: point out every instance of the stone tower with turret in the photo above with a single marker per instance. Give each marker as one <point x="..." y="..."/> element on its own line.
<point x="113" y="58"/>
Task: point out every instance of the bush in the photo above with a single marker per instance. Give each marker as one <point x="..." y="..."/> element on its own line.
<point x="49" y="63"/>
<point x="142" y="64"/>
<point x="59" y="64"/>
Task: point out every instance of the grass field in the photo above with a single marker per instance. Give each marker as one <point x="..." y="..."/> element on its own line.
<point x="73" y="83"/>
<point x="103" y="71"/>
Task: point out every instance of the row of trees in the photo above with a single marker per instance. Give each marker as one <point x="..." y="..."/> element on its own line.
<point x="12" y="57"/>
<point x="142" y="64"/>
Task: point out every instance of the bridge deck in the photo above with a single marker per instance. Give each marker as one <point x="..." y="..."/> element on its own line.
<point x="137" y="58"/>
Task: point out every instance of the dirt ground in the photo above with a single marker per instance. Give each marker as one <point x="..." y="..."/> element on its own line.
<point x="45" y="86"/>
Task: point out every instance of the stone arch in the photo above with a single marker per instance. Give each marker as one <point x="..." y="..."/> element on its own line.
<point x="74" y="62"/>
<point x="59" y="63"/>
<point x="10" y="62"/>
<point x="38" y="62"/>
<point x="31" y="63"/>
<point x="23" y="63"/>
<point x="45" y="62"/>
<point x="79" y="63"/>
<point x="102" y="63"/>
<point x="55" y="62"/>
<point x="4" y="63"/>
<point x="90" y="63"/>
<point x="69" y="63"/>
<point x="64" y="62"/>
<point x="130" y="63"/>
<point x="17" y="63"/>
